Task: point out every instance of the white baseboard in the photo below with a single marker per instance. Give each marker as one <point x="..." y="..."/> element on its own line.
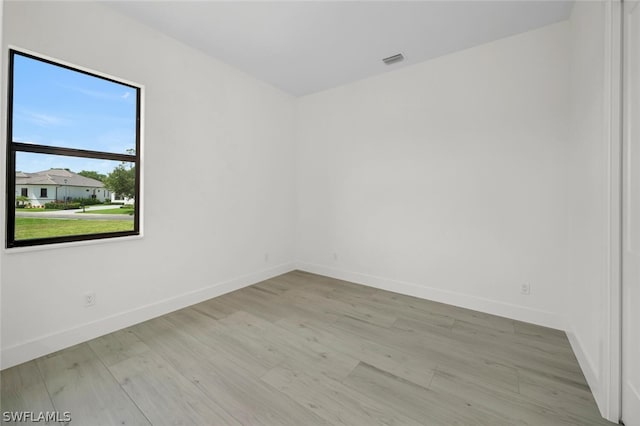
<point x="26" y="351"/>
<point x="513" y="311"/>
<point x="589" y="370"/>
<point x="53" y="342"/>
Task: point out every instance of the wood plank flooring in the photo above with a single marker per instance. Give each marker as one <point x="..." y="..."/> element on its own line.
<point x="302" y="349"/>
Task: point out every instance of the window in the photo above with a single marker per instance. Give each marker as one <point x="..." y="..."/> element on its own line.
<point x="78" y="134"/>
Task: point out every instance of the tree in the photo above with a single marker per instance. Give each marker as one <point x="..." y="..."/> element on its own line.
<point x="122" y="181"/>
<point x="93" y="175"/>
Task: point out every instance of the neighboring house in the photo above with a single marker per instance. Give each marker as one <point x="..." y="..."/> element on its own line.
<point x="116" y="198"/>
<point x="58" y="185"/>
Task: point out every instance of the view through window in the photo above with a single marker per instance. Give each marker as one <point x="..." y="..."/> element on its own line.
<point x="73" y="163"/>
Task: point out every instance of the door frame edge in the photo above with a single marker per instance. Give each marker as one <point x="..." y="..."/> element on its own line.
<point x="611" y="367"/>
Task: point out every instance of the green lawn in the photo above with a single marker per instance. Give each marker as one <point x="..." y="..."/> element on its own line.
<point x="110" y="211"/>
<point x="37" y="210"/>
<point x="28" y="228"/>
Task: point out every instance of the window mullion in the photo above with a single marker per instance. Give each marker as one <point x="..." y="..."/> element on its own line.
<point x="71" y="152"/>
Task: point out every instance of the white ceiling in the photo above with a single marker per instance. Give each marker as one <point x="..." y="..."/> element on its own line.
<point x="308" y="46"/>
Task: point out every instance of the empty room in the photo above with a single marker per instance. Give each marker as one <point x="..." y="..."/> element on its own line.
<point x="313" y="212"/>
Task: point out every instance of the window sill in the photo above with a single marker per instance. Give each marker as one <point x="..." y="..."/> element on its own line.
<point x="71" y="244"/>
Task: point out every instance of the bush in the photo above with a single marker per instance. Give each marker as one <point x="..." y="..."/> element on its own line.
<point x="86" y="201"/>
<point x="56" y="205"/>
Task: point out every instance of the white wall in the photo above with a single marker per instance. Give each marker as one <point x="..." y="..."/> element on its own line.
<point x="590" y="197"/>
<point x="445" y="180"/>
<point x="213" y="136"/>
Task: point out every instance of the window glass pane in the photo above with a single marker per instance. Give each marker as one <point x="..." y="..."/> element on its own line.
<point x="56" y="106"/>
<point x="78" y="196"/>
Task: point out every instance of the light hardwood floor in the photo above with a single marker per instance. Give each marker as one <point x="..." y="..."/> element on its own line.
<point x="302" y="349"/>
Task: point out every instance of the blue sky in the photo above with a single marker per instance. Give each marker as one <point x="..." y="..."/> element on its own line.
<point x="56" y="106"/>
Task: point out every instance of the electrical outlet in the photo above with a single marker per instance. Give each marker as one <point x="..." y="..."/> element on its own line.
<point x="525" y="289"/>
<point x="89" y="299"/>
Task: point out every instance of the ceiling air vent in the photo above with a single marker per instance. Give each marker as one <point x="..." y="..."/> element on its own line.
<point x="393" y="59"/>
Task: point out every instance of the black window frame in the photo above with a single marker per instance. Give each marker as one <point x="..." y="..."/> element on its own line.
<point x="24" y="192"/>
<point x="14" y="147"/>
<point x="43" y="192"/>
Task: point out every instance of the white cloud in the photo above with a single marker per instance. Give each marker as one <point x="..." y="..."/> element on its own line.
<point x="98" y="94"/>
<point x="41" y="119"/>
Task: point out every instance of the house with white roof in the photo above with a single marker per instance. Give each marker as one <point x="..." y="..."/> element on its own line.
<point x="58" y="185"/>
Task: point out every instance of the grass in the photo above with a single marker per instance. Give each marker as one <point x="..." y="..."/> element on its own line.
<point x="29" y="228"/>
<point x="37" y="210"/>
<point x="110" y="211"/>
